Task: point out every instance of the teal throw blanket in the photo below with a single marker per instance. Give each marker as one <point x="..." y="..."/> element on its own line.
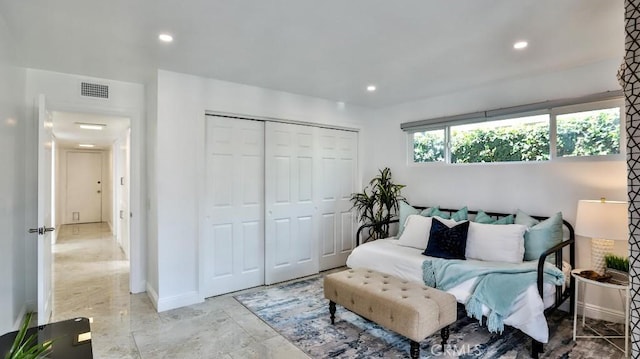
<point x="498" y="284"/>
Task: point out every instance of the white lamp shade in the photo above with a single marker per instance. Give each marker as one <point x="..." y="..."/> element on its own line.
<point x="603" y="219"/>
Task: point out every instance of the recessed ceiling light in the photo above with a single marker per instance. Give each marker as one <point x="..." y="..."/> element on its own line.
<point x="86" y="145"/>
<point x="520" y="45"/>
<point x="91" y="126"/>
<point x="371" y="88"/>
<point x="165" y="37"/>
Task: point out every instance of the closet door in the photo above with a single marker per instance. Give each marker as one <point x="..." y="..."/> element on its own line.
<point x="233" y="228"/>
<point x="291" y="220"/>
<point x="338" y="168"/>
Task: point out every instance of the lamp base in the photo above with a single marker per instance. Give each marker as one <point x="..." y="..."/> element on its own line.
<point x="600" y="247"/>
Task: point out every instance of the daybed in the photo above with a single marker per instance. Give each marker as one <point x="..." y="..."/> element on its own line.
<point x="527" y="313"/>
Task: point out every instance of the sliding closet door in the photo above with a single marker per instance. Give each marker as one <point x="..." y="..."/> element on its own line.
<point x="233" y="228"/>
<point x="291" y="220"/>
<point x="338" y="168"/>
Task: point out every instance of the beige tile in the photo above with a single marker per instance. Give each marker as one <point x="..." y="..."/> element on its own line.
<point x="91" y="279"/>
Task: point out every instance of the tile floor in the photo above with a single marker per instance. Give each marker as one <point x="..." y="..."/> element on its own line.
<point x="91" y="279"/>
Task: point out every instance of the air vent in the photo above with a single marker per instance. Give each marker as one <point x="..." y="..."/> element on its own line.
<point x="94" y="90"/>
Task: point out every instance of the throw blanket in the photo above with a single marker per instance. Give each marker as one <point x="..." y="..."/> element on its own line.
<point x="497" y="285"/>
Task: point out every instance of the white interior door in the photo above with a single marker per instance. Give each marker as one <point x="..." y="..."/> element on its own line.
<point x="233" y="230"/>
<point x="338" y="169"/>
<point x="45" y="225"/>
<point x="291" y="221"/>
<point x="84" y="187"/>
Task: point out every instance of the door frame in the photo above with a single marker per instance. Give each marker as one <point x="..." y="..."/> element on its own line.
<point x="137" y="231"/>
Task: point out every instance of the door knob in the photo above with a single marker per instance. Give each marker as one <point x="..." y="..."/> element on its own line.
<point x="98" y="191"/>
<point x="41" y="230"/>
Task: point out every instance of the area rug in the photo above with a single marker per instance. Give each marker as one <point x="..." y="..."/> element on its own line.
<point x="299" y="312"/>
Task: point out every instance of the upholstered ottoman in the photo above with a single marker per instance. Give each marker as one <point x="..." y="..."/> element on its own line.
<point x="408" y="308"/>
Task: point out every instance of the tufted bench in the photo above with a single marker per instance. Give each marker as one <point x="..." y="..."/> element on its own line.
<point x="408" y="308"/>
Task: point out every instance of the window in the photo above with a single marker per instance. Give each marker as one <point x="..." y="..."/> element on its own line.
<point x="428" y="146"/>
<point x="589" y="133"/>
<point x="588" y="129"/>
<point x="516" y="139"/>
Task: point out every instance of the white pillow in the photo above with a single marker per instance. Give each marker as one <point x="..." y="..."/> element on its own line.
<point x="495" y="243"/>
<point x="416" y="232"/>
<point x="447" y="222"/>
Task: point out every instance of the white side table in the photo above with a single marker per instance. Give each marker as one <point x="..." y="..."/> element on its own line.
<point x="623" y="290"/>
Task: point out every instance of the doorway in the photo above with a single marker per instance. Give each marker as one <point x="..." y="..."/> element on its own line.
<point x="92" y="170"/>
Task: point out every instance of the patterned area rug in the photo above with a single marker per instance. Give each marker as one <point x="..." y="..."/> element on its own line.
<point x="299" y="312"/>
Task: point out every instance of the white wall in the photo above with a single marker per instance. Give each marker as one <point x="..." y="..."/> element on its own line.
<point x="179" y="160"/>
<point x="151" y="93"/>
<point x="126" y="100"/>
<point x="537" y="188"/>
<point x="12" y="186"/>
<point x="121" y="179"/>
<point x="107" y="187"/>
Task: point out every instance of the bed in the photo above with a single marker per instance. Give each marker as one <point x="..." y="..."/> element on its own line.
<point x="528" y="312"/>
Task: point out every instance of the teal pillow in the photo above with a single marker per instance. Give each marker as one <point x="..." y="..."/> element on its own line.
<point x="461" y="215"/>
<point x="405" y="211"/>
<point x="505" y="220"/>
<point x="484" y="218"/>
<point x="430" y="212"/>
<point x="541" y="235"/>
<point x="437" y="212"/>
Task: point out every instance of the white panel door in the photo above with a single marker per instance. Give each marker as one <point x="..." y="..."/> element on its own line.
<point x="233" y="230"/>
<point x="45" y="223"/>
<point x="291" y="221"/>
<point x="338" y="169"/>
<point x="84" y="187"/>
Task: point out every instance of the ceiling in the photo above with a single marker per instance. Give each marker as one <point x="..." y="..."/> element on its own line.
<point x="332" y="49"/>
<point x="69" y="134"/>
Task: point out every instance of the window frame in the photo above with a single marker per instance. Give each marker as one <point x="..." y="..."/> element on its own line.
<point x="552" y="112"/>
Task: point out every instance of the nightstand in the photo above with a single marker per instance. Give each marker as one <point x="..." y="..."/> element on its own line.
<point x="582" y="283"/>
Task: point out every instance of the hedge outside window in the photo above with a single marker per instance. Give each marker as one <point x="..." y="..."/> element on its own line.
<point x="594" y="132"/>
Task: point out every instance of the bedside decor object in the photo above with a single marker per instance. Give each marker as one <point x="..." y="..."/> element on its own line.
<point x="603" y="221"/>
<point x="618" y="268"/>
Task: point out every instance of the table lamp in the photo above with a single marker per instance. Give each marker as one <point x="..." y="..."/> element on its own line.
<point x="603" y="221"/>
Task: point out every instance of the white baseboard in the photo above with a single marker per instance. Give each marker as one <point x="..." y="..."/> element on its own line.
<point x="19" y="318"/>
<point x="31" y="306"/>
<point x="139" y="287"/>
<point x="601" y="313"/>
<point x="177" y="301"/>
<point x="153" y="296"/>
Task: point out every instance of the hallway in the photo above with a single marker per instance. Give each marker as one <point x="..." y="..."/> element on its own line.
<point x="91" y="279"/>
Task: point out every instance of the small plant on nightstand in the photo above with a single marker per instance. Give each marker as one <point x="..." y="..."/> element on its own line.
<point x="617" y="267"/>
<point x="24" y="347"/>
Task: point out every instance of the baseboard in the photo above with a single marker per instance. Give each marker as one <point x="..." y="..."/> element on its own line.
<point x="20" y="317"/>
<point x="178" y="301"/>
<point x="153" y="296"/>
<point x="31" y="306"/>
<point x="601" y="313"/>
<point x="140" y="287"/>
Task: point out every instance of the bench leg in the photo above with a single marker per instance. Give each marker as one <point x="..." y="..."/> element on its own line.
<point x="332" y="311"/>
<point x="444" y="333"/>
<point x="415" y="350"/>
<point x="536" y="348"/>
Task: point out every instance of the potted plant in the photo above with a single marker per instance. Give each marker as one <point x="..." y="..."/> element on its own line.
<point x="618" y="268"/>
<point x="377" y="204"/>
<point x="24" y="347"/>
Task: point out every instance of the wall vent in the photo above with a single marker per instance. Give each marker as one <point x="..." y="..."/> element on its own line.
<point x="94" y="90"/>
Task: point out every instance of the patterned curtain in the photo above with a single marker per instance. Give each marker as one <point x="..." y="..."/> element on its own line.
<point x="628" y="75"/>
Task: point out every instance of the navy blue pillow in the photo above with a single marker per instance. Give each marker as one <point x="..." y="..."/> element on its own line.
<point x="445" y="242"/>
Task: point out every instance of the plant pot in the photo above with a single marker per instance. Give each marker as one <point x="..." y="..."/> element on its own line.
<point x="617" y="276"/>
